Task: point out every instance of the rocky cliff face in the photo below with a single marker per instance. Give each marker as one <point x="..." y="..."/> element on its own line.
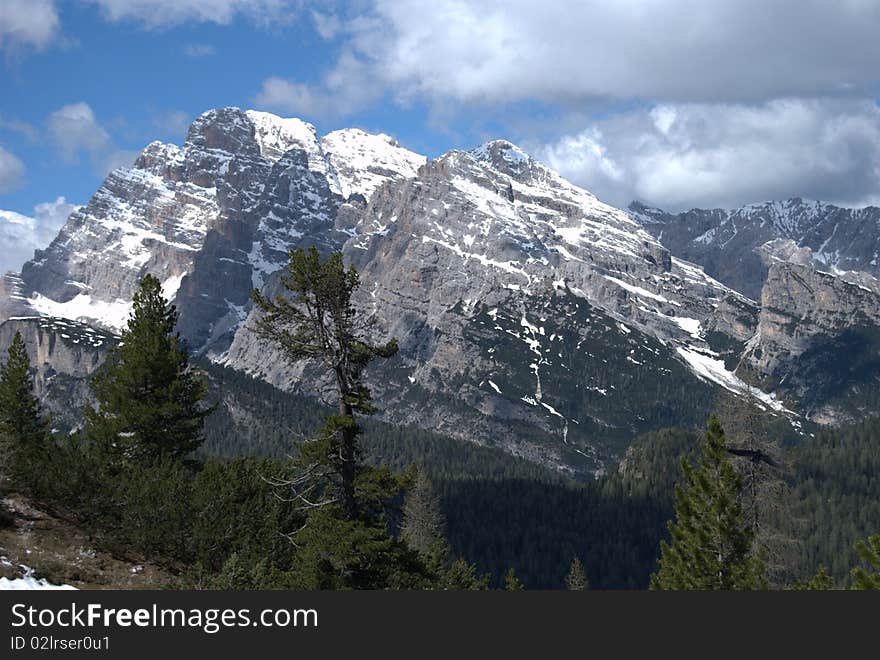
<point x="529" y="314"/>
<point x="211" y="218"/>
<point x="818" y="337"/>
<point x="724" y="242"/>
<point x="63" y="353"/>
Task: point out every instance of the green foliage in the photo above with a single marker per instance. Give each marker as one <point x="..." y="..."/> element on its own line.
<point x="190" y="518"/>
<point x="422" y="526"/>
<point x="237" y="575"/>
<point x="576" y="578"/>
<point x="318" y="321"/>
<point x="821" y="581"/>
<point x="511" y="582"/>
<point x="150" y="401"/>
<point x="711" y="545"/>
<point x="23" y="433"/>
<point x="345" y="542"/>
<point x="338" y="553"/>
<point x="869" y="552"/>
<point x="835" y="498"/>
<point x="462" y="576"/>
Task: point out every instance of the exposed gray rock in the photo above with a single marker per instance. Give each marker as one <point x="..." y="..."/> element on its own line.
<point x="529" y="314"/>
<point x="63" y="353"/>
<point x="724" y="242"/>
<point x="818" y="337"/>
<point x="212" y="219"/>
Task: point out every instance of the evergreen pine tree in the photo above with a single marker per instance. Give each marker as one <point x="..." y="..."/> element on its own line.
<point x="422" y="526"/>
<point x="576" y="580"/>
<point x="711" y="544"/>
<point x="869" y="552"/>
<point x="23" y="432"/>
<point x="821" y="581"/>
<point x="462" y="576"/>
<point x="345" y="543"/>
<point x="150" y="400"/>
<point x="319" y="322"/>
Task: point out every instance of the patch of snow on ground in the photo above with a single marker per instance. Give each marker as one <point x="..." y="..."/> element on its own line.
<point x="29" y="582"/>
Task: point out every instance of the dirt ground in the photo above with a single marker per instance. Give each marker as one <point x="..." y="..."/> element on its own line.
<point x="60" y="553"/>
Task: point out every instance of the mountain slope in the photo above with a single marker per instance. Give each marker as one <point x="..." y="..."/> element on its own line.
<point x="529" y="314"/>
<point x="818" y="337"/>
<point x="724" y="241"/>
<point x="211" y="218"/>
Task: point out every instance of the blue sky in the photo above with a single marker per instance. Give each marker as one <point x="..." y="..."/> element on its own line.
<point x="145" y="85"/>
<point x="731" y="102"/>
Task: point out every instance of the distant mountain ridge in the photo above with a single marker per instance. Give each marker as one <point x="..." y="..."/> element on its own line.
<point x="725" y="242"/>
<point x="531" y="316"/>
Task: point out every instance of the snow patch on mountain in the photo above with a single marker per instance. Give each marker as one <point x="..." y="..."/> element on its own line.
<point x="83" y="307"/>
<point x="712" y="369"/>
<point x="362" y="161"/>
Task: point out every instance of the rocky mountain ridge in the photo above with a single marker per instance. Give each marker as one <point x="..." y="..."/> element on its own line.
<point x="724" y="242"/>
<point x="211" y="218"/>
<point x="530" y="315"/>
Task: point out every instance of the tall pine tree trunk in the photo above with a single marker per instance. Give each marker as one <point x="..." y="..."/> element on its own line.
<point x="349" y="465"/>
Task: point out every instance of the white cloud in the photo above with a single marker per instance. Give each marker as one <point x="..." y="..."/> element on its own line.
<point x="74" y="129"/>
<point x="20" y="127"/>
<point x="680" y="156"/>
<point x="20" y="235"/>
<point x="327" y="25"/>
<point x="167" y="13"/>
<point x="499" y="51"/>
<point x="11" y="170"/>
<point x="347" y="88"/>
<point x="197" y="51"/>
<point x="28" y="23"/>
<point x="287" y="96"/>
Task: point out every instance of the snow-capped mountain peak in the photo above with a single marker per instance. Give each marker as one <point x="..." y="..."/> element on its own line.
<point x="277" y="135"/>
<point x="363" y="161"/>
<point x="211" y="218"/>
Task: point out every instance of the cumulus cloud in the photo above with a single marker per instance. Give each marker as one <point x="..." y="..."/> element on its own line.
<point x="11" y="171"/>
<point x="28" y="24"/>
<point x="675" y="50"/>
<point x="74" y="129"/>
<point x="680" y="156"/>
<point x="347" y="88"/>
<point x="20" y="235"/>
<point x="168" y="13"/>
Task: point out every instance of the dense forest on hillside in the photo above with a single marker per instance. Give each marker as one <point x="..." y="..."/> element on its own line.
<point x="502" y="511"/>
<point x="229" y="482"/>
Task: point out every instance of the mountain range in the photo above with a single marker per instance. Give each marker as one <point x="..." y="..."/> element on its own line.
<point x="530" y="315"/>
